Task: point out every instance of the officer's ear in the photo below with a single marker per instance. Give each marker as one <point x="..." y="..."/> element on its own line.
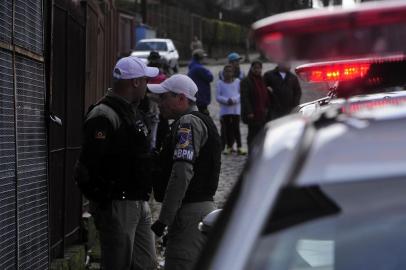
<point x="182" y="98"/>
<point x="135" y="82"/>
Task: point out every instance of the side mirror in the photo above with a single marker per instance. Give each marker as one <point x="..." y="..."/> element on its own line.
<point x="208" y="221"/>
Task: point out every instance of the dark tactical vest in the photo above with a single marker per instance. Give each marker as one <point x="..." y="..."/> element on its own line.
<point x="206" y="167"/>
<point x="124" y="173"/>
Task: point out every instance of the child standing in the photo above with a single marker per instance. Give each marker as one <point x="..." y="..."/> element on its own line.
<point x="228" y="95"/>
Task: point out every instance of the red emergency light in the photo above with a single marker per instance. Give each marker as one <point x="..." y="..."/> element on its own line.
<point x="344" y="70"/>
<point x="333" y="72"/>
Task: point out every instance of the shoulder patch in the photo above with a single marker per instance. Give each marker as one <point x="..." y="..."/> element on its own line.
<point x="184" y="148"/>
<point x="100" y="135"/>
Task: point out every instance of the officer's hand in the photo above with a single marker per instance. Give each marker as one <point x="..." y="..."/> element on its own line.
<point x="158" y="228"/>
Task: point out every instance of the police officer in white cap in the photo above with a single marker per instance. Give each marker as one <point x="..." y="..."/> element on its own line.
<point x="111" y="170"/>
<point x="190" y="161"/>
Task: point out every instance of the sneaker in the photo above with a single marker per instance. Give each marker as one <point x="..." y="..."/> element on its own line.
<point x="241" y="151"/>
<point x="227" y="151"/>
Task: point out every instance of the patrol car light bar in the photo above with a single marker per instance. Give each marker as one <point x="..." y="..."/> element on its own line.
<point x="373" y="28"/>
<point x="333" y="72"/>
<point x="343" y="70"/>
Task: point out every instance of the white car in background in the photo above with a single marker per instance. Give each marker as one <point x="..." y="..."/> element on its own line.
<point x="165" y="47"/>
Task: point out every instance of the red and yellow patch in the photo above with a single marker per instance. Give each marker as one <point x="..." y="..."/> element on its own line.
<point x="100" y="135"/>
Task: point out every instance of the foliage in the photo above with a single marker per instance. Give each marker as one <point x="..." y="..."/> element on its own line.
<point x="219" y="32"/>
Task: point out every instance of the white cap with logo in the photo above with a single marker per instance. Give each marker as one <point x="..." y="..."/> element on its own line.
<point x="132" y="67"/>
<point x="179" y="84"/>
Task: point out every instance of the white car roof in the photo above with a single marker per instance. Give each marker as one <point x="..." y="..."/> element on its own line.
<point x="155" y="40"/>
<point x="370" y="146"/>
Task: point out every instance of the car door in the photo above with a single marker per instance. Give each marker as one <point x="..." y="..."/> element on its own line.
<point x="173" y="53"/>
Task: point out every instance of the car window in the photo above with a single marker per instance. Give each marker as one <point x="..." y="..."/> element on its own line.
<point x="367" y="232"/>
<point x="151" y="46"/>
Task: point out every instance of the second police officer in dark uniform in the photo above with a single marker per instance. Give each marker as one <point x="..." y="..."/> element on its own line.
<point x="111" y="170"/>
<point x="190" y="159"/>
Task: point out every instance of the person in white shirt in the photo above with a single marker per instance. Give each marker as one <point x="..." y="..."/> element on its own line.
<point x="228" y="96"/>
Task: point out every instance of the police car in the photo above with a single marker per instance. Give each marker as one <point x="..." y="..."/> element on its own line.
<point x="325" y="189"/>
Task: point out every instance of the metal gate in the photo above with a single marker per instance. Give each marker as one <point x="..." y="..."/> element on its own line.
<point x="23" y="137"/>
<point x="67" y="73"/>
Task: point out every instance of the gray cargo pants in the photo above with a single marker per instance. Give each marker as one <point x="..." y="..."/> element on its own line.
<point x="126" y="240"/>
<point x="185" y="241"/>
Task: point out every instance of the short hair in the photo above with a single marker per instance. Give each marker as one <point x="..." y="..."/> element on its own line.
<point x="259" y="62"/>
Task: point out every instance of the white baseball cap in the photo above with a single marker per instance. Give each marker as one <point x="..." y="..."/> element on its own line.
<point x="131" y="67"/>
<point x="179" y="84"/>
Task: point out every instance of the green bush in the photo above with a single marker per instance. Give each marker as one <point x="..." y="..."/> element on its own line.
<point x="221" y="32"/>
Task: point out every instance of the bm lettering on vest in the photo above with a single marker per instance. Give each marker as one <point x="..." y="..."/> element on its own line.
<point x="184" y="154"/>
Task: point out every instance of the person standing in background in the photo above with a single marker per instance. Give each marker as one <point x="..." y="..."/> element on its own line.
<point x="196" y="44"/>
<point x="155" y="60"/>
<point x="234" y="60"/>
<point x="284" y="88"/>
<point x="228" y="96"/>
<point x="255" y="101"/>
<point x="202" y="77"/>
<point x="158" y="126"/>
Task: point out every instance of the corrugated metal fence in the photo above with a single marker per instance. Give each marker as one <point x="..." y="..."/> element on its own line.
<point x="60" y="73"/>
<point x="23" y="137"/>
<point x="83" y="48"/>
<point x="66" y="55"/>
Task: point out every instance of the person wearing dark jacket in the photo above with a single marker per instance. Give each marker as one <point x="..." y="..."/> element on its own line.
<point x="112" y="170"/>
<point x="202" y="78"/>
<point x="285" y="90"/>
<point x="255" y="101"/>
<point x="149" y="105"/>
